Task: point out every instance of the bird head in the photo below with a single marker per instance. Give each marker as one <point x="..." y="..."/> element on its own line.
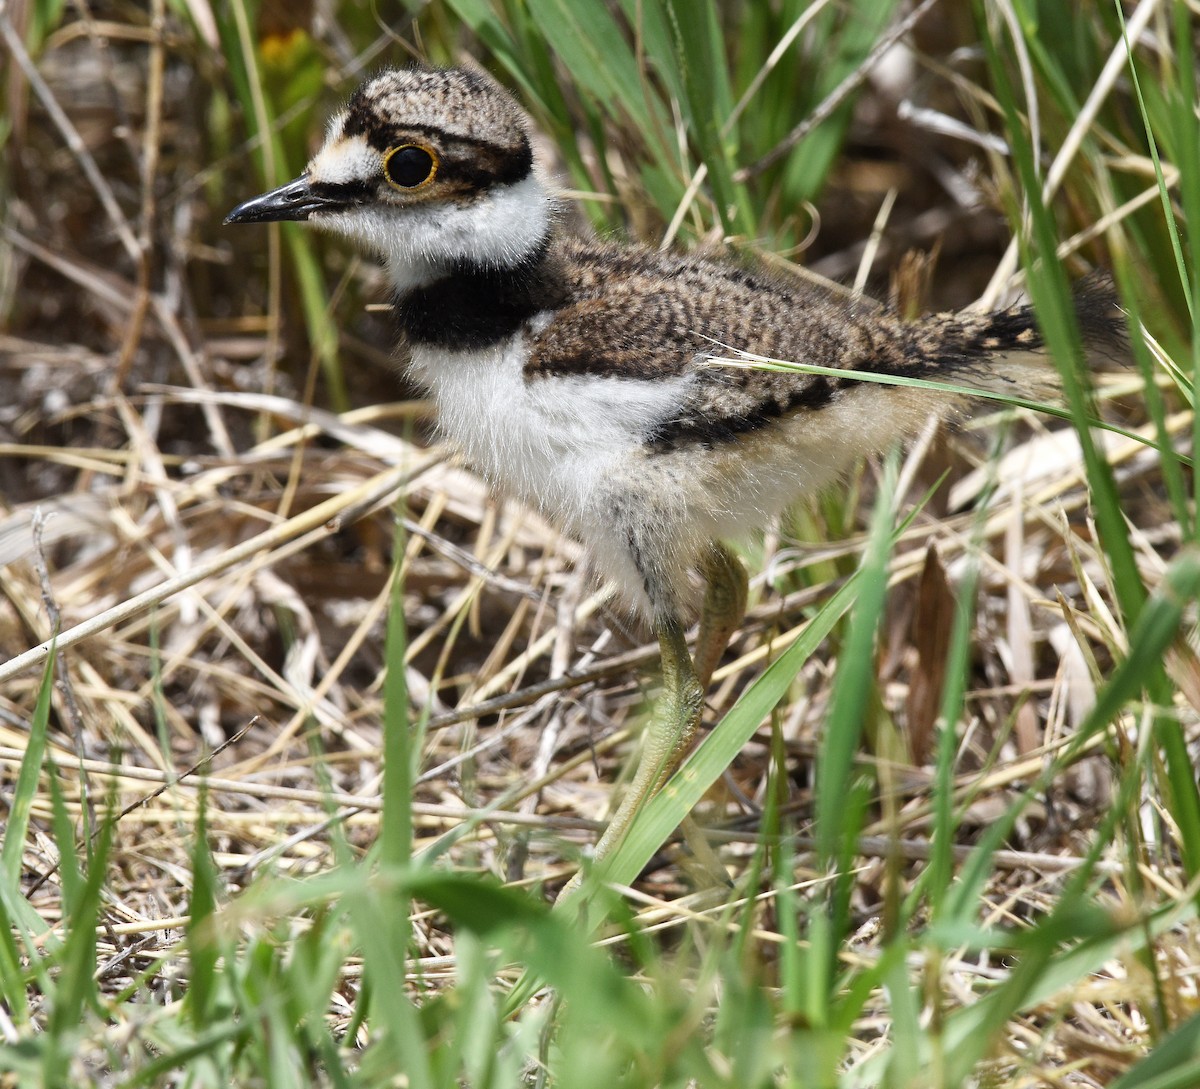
<point x="427" y="167"/>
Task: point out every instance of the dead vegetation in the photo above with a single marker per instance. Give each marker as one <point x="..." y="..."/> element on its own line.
<point x="214" y="545"/>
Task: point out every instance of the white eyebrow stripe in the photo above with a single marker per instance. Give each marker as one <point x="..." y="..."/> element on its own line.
<point x="345" y="159"/>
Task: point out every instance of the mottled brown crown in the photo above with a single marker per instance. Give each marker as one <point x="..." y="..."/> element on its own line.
<point x="442" y="102"/>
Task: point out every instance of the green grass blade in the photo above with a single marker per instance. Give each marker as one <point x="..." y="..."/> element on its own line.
<point x="704" y="94"/>
<point x="75" y="988"/>
<point x="666" y="810"/>
<point x="934" y="387"/>
<point x="1156" y="630"/>
<point x="590" y="42"/>
<point x="17" y="827"/>
<point x="21" y="914"/>
<point x="379" y="920"/>
<point x="13" y="975"/>
<point x="1184" y="129"/>
<point x="399" y="746"/>
<point x="69" y="876"/>
<point x="854" y="684"/>
<point x="1052" y="301"/>
<point x="203" y="947"/>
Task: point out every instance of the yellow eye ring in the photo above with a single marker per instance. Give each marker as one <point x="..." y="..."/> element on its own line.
<point x="410" y="166"/>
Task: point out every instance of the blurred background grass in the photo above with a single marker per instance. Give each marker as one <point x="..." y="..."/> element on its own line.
<point x="298" y="889"/>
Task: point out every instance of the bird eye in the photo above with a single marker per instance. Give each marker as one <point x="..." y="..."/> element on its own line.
<point x="409" y="166"/>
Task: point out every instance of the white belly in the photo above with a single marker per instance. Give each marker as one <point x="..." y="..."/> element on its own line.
<point x="562" y="444"/>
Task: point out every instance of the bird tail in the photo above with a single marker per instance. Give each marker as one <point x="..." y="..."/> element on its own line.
<point x="1005" y="352"/>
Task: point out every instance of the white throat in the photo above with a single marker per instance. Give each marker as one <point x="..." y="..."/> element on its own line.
<point x="420" y="243"/>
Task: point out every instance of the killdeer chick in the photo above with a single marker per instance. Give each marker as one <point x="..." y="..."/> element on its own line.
<point x="573" y="374"/>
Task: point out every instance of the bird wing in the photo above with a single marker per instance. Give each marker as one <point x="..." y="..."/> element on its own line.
<point x="634" y="314"/>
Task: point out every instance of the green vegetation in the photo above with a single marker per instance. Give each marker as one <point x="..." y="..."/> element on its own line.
<point x="286" y="820"/>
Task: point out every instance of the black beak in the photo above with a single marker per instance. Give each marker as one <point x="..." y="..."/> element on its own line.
<point x="296" y="200"/>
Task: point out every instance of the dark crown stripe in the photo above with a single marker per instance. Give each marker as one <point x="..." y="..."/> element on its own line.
<point x="505" y="164"/>
<point x="382" y="134"/>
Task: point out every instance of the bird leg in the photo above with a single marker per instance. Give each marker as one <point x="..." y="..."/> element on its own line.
<point x="668" y="734"/>
<point x="723" y="609"/>
<point x="725" y="592"/>
<point x="677" y="714"/>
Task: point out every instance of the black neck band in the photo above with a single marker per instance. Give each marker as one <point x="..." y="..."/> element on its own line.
<point x="476" y="306"/>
